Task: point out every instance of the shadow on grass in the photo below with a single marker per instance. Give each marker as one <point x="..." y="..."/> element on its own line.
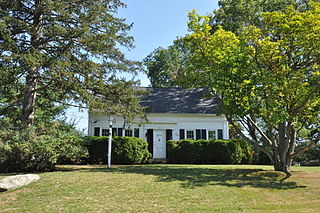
<point x="197" y="176"/>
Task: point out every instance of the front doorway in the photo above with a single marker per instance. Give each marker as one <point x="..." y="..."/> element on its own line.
<point x="159" y="144"/>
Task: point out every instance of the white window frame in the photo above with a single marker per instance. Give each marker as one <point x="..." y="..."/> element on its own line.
<point x="186" y="134"/>
<point x="215" y="134"/>
<point x="125" y="132"/>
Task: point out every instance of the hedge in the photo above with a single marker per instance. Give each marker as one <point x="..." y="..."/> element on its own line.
<point x="125" y="150"/>
<point x="209" y="151"/>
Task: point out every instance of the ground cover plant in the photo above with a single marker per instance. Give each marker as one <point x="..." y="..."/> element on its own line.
<point x="168" y="188"/>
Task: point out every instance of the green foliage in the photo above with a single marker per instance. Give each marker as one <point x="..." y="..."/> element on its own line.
<point x="270" y="72"/>
<point x="209" y="152"/>
<point x="260" y="158"/>
<point x="125" y="150"/>
<point x="60" y="52"/>
<point x="310" y="158"/>
<point x="36" y="149"/>
<point x="266" y="76"/>
<point x="164" y="66"/>
<point x="233" y="15"/>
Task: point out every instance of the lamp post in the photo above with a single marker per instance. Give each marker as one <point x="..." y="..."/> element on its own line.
<point x="110" y="141"/>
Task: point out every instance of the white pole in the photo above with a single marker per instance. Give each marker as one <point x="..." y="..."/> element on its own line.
<point x="110" y="142"/>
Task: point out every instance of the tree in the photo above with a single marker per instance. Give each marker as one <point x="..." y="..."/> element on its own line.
<point x="60" y="52"/>
<point x="164" y="66"/>
<point x="233" y="15"/>
<point x="267" y="78"/>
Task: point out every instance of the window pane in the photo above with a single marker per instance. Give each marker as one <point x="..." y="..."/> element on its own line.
<point x="114" y="131"/>
<point x="212" y="135"/>
<point x="120" y="132"/>
<point x="198" y="134"/>
<point x="220" y="134"/>
<point x="105" y="132"/>
<point x="128" y="132"/>
<point x="190" y="135"/>
<point x="204" y="134"/>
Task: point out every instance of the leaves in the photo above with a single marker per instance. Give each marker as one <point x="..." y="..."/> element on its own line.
<point x="72" y="45"/>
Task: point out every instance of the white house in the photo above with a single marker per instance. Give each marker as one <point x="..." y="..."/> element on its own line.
<point x="173" y="113"/>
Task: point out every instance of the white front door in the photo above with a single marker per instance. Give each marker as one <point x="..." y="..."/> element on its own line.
<point x="159" y="144"/>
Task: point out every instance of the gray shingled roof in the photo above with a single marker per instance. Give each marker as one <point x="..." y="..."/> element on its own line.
<point x="178" y="100"/>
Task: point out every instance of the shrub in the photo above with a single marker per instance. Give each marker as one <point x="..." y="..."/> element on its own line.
<point x="125" y="150"/>
<point x="208" y="151"/>
<point x="260" y="158"/>
<point x="309" y="158"/>
<point x="36" y="149"/>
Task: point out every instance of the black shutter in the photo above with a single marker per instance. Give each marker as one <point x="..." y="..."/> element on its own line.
<point x="198" y="134"/>
<point x="96" y="131"/>
<point x="220" y="134"/>
<point x="204" y="134"/>
<point x="136" y="133"/>
<point x="182" y="134"/>
<point x="150" y="140"/>
<point x="168" y="134"/>
<point x="119" y="131"/>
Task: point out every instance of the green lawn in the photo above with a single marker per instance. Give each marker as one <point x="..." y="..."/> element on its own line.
<point x="168" y="188"/>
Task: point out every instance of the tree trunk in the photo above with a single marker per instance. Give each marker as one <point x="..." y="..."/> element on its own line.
<point x="29" y="99"/>
<point x="283" y="166"/>
<point x="30" y="93"/>
<point x="286" y="144"/>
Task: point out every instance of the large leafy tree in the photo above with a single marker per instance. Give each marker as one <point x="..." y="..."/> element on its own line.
<point x="267" y="78"/>
<point x="233" y="15"/>
<point x="165" y="66"/>
<point x="60" y="52"/>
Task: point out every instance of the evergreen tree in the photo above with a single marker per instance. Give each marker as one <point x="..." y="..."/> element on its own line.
<point x="60" y="52"/>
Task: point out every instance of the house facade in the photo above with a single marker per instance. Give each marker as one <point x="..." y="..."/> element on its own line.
<point x="173" y="114"/>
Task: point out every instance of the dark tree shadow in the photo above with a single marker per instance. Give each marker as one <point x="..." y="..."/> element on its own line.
<point x="197" y="177"/>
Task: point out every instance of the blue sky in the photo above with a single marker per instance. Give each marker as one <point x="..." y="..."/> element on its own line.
<point x="155" y="23"/>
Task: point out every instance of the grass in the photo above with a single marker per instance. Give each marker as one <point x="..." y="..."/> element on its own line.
<point x="168" y="188"/>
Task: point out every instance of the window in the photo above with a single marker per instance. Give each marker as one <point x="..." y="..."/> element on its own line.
<point x="119" y="132"/>
<point x="96" y="131"/>
<point x="114" y="131"/>
<point x="201" y="134"/>
<point x="190" y="134"/>
<point x="105" y="132"/>
<point x="168" y="134"/>
<point x="128" y="133"/>
<point x="220" y="134"/>
<point x="212" y="135"/>
<point x="182" y="134"/>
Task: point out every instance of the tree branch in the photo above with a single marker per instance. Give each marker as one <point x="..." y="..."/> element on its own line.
<point x="306" y="148"/>
<point x="260" y="131"/>
<point x="251" y="142"/>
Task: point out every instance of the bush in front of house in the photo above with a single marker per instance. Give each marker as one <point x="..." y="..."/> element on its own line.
<point x="208" y="151"/>
<point x="125" y="150"/>
<point x="40" y="148"/>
